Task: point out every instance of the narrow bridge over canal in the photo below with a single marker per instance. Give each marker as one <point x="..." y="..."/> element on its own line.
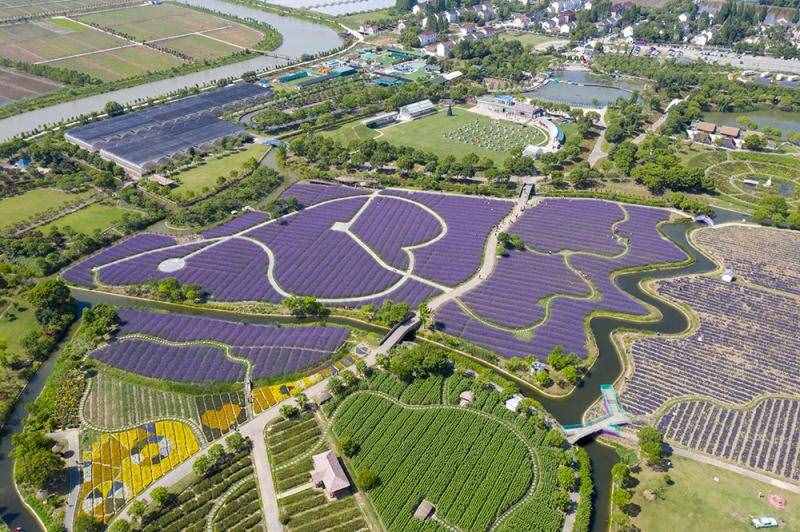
<point x="611" y="422"/>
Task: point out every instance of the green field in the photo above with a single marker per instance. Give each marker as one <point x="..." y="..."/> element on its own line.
<point x="120" y="64"/>
<point x="530" y="39"/>
<point x="95" y="217"/>
<point x="357" y="19"/>
<point x="775" y="174"/>
<point x="199" y="47"/>
<point x="696" y="502"/>
<point x="15" y="323"/>
<point x="196" y="179"/>
<point x="16" y="209"/>
<point x="464" y="132"/>
<point x="481" y="467"/>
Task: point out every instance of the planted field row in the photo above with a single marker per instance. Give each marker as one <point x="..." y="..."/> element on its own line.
<point x="241" y="509"/>
<point x="745" y="347"/>
<point x="762" y="437"/>
<point x="273" y="350"/>
<point x="290" y="445"/>
<point x="269" y="395"/>
<point x="309" y="193"/>
<point x="194" y="506"/>
<point x="310" y="511"/>
<point x="742" y="250"/>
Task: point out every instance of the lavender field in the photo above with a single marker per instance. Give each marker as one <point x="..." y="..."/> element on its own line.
<point x="147" y="346"/>
<point x="763" y="437"/>
<point x="568" y="268"/>
<point x="762" y="255"/>
<point x="746" y="347"/>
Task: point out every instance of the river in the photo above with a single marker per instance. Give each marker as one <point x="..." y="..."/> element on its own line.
<point x="568" y="410"/>
<point x="299" y="37"/>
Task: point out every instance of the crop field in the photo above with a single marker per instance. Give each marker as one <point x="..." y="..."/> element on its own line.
<point x="119" y="465"/>
<point x="120" y="63"/>
<point x="34" y="203"/>
<point x="464" y="132"/>
<point x="573" y="249"/>
<point x="339" y="249"/>
<point x="95" y="217"/>
<point x="743" y="349"/>
<point x="310" y="511"/>
<point x="18" y="86"/>
<point x="269" y="395"/>
<point x="290" y="445"/>
<point x="763" y="437"/>
<point x="196" y="180"/>
<point x="115" y="404"/>
<point x="195" y="349"/>
<point x="226" y="500"/>
<point x="10" y="9"/>
<point x="742" y="249"/>
<point x="774" y="174"/>
<point x="423" y="448"/>
<point x="200" y="47"/>
<point x="38" y="41"/>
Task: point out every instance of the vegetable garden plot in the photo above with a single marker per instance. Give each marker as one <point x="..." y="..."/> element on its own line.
<point x="571" y="224"/>
<point x="156" y="360"/>
<point x="451" y="457"/>
<point x="120" y="465"/>
<point x="310" y="193"/>
<point x="81" y="272"/>
<point x="311" y="258"/>
<point x="273" y="350"/>
<point x="511" y="296"/>
<point x="310" y="511"/>
<point x="269" y="395"/>
<point x="388" y="225"/>
<point x="742" y="250"/>
<point x="746" y="347"/>
<point x="290" y="446"/>
<point x="456" y="257"/>
<point x="762" y="437"/>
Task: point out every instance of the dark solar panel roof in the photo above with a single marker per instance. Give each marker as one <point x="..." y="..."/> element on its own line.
<point x="171" y="139"/>
<point x="205" y="102"/>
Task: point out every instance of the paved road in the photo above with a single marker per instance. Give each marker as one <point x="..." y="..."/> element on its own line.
<point x="71" y="437"/>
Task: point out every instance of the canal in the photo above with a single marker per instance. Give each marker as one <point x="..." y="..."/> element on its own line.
<point x="607" y="369"/>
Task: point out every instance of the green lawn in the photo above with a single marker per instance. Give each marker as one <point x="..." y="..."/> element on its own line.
<point x="34" y="202"/>
<point x="206" y="175"/>
<point x="456" y="135"/>
<point x="90" y="219"/>
<point x="15" y="324"/>
<point x="529" y="39"/>
<point x="355" y="20"/>
<point x="696" y="502"/>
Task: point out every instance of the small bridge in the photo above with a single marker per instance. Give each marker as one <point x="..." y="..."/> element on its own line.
<point x="611" y="422"/>
<point x="398" y="333"/>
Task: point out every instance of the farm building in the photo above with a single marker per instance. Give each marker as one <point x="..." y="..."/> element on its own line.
<point x="509" y="107"/>
<point x="328" y="473"/>
<point x="142" y="140"/>
<point x="416" y="110"/>
<point x="513" y="403"/>
<point x="424" y="510"/>
<point x="466" y="398"/>
<point x="381" y="119"/>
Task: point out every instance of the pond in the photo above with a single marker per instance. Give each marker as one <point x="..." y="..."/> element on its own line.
<point x="581" y="88"/>
<point x="786" y="121"/>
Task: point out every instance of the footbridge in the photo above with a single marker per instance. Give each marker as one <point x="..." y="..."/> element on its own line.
<point x="397" y="334"/>
<point x="613" y="419"/>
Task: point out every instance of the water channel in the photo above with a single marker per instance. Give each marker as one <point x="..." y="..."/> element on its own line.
<point x="569" y="410"/>
<point x="299" y="37"/>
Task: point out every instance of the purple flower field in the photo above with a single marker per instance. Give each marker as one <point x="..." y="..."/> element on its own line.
<point x="193" y="363"/>
<point x="310" y="193"/>
<point x="510" y="297"/>
<point x="273" y="350"/>
<point x="388" y="225"/>
<point x="571" y="224"/>
<point x="313" y="259"/>
<point x="144" y="268"/>
<point x="237" y="225"/>
<point x="81" y="272"/>
<point x="456" y="257"/>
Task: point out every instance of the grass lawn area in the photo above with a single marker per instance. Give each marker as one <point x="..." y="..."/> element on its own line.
<point x="356" y="19"/>
<point x="89" y="219"/>
<point x="206" y="175"/>
<point x="697" y="502"/>
<point x="456" y="135"/>
<point x="15" y="324"/>
<point x="528" y="39"/>
<point x="34" y="202"/>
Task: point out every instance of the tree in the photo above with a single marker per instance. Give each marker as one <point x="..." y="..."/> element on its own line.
<point x="236" y="443"/>
<point x="555" y="438"/>
<point x="289" y="411"/>
<point x="570" y="374"/>
<point x="303" y="402"/>
<point x="38" y="468"/>
<point x="366" y="479"/>
<point x="304" y="306"/>
<point x="621" y="498"/>
<point x="88" y="523"/>
<point x="138" y="509"/>
<point x="202" y="466"/>
<point x="566" y="478"/>
<point x="119" y="525"/>
<point x="390" y="313"/>
<point x="651" y="444"/>
<point x="363" y="369"/>
<point x="424" y="313"/>
<point x="161" y="496"/>
<point x="349" y="446"/>
<point x="559" y="359"/>
<point x="113" y="108"/>
<point x="754" y="142"/>
<point x="620" y="473"/>
<point x="543" y="379"/>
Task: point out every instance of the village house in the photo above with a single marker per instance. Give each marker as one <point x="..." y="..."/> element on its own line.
<point x="329" y="474"/>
